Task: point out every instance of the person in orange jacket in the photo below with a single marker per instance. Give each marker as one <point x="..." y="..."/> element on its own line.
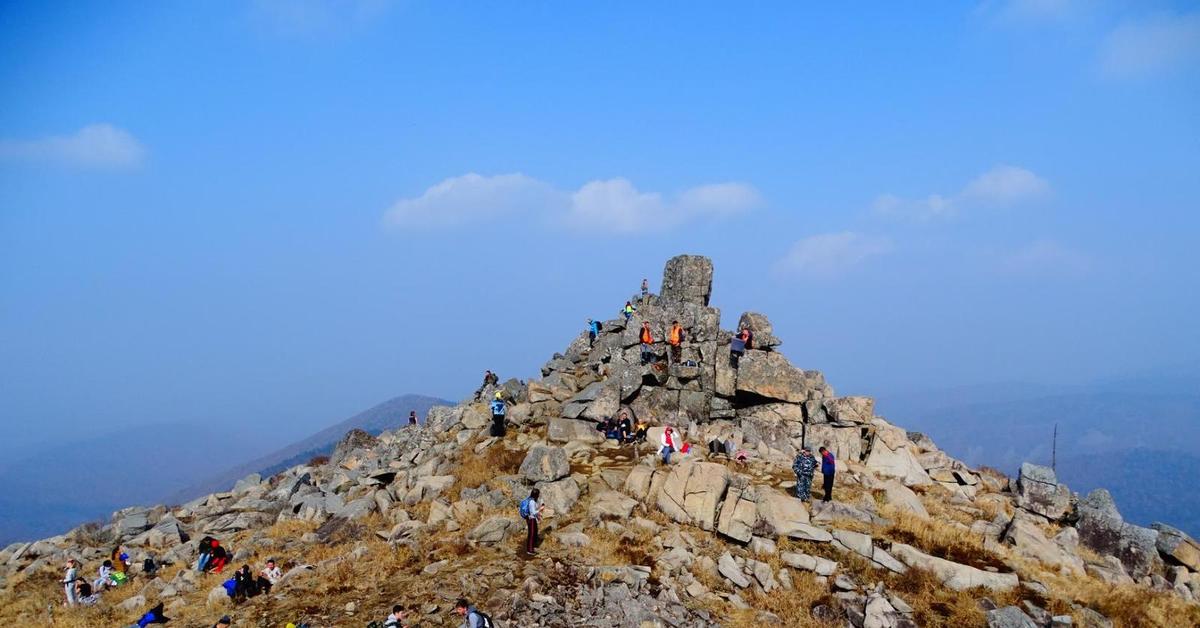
<point x="647" y="339"/>
<point x="676" y="340"/>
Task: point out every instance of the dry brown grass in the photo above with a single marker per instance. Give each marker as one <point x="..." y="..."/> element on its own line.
<point x="479" y="469"/>
<point x="938" y="538"/>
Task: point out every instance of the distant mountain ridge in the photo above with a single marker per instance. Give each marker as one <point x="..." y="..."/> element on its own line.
<point x="390" y="414"/>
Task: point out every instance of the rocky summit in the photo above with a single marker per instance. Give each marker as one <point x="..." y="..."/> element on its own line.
<point x="424" y="515"/>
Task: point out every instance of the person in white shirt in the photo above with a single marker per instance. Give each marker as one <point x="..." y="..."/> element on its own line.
<point x="69" y="579"/>
<point x="269" y="576"/>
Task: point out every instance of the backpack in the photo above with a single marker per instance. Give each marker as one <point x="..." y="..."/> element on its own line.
<point x="485" y="621"/>
<point x="230" y="586"/>
<point x="526" y="508"/>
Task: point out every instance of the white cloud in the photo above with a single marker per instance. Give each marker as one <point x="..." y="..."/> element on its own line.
<point x="93" y="146"/>
<point x="831" y="254"/>
<point x="1046" y="258"/>
<point x="610" y="205"/>
<point x="458" y="200"/>
<point x="1001" y="186"/>
<point x="1151" y="45"/>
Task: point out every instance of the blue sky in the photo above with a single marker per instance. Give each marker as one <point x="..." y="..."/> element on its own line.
<point x="266" y="216"/>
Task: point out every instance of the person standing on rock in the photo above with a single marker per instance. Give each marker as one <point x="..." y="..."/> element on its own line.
<point x="645" y="291"/>
<point x="804" y="466"/>
<point x="499" y="410"/>
<point x="531" y="512"/>
<point x="828" y="468"/>
<point x="412" y="417"/>
<point x="668" y="444"/>
<point x="69" y="579"/>
<point x="628" y="310"/>
<point x="647" y="339"/>
<point x="676" y="340"/>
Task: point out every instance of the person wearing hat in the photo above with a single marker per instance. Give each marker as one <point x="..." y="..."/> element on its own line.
<point x="803" y="466"/>
<point x="499" y="409"/>
<point x="224" y="622"/>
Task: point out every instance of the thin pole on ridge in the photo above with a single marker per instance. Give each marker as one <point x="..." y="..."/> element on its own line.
<point x="1054" y="450"/>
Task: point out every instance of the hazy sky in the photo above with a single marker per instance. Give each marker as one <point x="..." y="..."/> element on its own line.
<point x="267" y="216"/>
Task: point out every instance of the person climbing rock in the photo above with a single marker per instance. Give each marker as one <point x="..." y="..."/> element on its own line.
<point x="531" y="512"/>
<point x="676" y="340"/>
<point x="499" y="410"/>
<point x="593" y="331"/>
<point x="738" y="346"/>
<point x="803" y="466"/>
<point x="472" y="618"/>
<point x="668" y="444"/>
<point x="68" y="581"/>
<point x="828" y="468"/>
<point x="489" y="379"/>
<point x="647" y="339"/>
<point x="628" y="310"/>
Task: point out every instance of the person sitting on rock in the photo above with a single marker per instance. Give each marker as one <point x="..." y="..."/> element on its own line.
<point x="220" y="556"/>
<point x="717" y="446"/>
<point x="84" y="594"/>
<point x="150" y="566"/>
<point x="205" y="549"/>
<point x="244" y="584"/>
<point x="471" y="618"/>
<point x="668" y="444"/>
<point x="628" y="310"/>
<point x="624" y="428"/>
<point x="639" y="431"/>
<point x="224" y="622"/>
<point x="647" y="339"/>
<point x="396" y="619"/>
<point x="499" y="409"/>
<point x="269" y="576"/>
<point x="676" y="340"/>
<point x="105" y="579"/>
<point x="153" y="616"/>
<point x="120" y="560"/>
<point x="804" y="466"/>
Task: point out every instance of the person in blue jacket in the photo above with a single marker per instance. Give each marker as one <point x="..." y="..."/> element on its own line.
<point x="828" y="468"/>
<point x="593" y="331"/>
<point x="499" y="409"/>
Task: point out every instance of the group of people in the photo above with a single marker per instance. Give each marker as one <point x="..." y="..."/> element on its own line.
<point x="805" y="465"/>
<point x="113" y="572"/>
<point x="213" y="556"/>
<point x="472" y="617"/>
<point x="245" y="584"/>
<point x="622" y="430"/>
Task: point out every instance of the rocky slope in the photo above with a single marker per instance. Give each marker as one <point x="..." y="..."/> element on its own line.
<point x="421" y="516"/>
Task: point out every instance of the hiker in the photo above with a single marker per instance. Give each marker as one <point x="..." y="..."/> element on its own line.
<point x="220" y="556"/>
<point x="105" y="579"/>
<point x="244" y="585"/>
<point x="647" y="339"/>
<point x="676" y="340"/>
<point x="269" y="576"/>
<point x="205" y="548"/>
<point x="531" y="512"/>
<point x="120" y="560"/>
<point x="224" y="622"/>
<point x="828" y="468"/>
<point x="593" y="331"/>
<point x="668" y="444"/>
<point x="624" y="428"/>
<point x="396" y="618"/>
<point x="499" y="408"/>
<point x="412" y="417"/>
<point x="738" y="346"/>
<point x="153" y="616"/>
<point x="639" y="431"/>
<point x="608" y="427"/>
<point x="645" y="290"/>
<point x="69" y="579"/>
<point x="84" y="595"/>
<point x="150" y="566"/>
<point x="472" y="617"/>
<point x="628" y="310"/>
<point x="803" y="466"/>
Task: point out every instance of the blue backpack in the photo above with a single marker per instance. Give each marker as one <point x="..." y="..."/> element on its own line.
<point x="230" y="586"/>
<point x="526" y="507"/>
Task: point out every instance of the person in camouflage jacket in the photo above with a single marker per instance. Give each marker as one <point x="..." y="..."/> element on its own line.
<point x="804" y="465"/>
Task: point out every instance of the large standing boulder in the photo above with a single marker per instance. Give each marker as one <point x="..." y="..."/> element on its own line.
<point x="1177" y="546"/>
<point x="738" y="514"/>
<point x="892" y="456"/>
<point x="545" y="464"/>
<point x="847" y="411"/>
<point x="770" y="375"/>
<point x="1009" y="617"/>
<point x="688" y="278"/>
<point x="1039" y="492"/>
<point x="1029" y="541"/>
<point x="760" y="326"/>
<point x="692" y="491"/>
<point x="562" y="430"/>
<point x="1102" y="529"/>
<point x="493" y="530"/>
<point x="785" y="515"/>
